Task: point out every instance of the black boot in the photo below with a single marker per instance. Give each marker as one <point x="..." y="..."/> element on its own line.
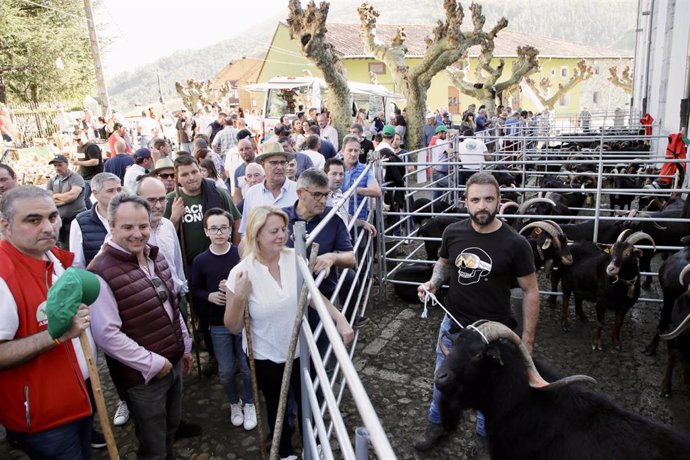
<point x="433" y="433"/>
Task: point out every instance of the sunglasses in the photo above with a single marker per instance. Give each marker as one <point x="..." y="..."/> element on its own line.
<point x="158" y="283"/>
<point x="166" y="175"/>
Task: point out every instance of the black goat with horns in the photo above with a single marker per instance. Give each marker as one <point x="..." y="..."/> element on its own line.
<point x="526" y="417"/>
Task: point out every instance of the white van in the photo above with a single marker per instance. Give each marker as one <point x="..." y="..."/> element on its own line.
<point x="290" y="95"/>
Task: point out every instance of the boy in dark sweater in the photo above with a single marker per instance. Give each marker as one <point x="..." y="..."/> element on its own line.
<point x="209" y="273"/>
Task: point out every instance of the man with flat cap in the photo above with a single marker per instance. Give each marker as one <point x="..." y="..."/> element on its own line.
<point x="276" y="189"/>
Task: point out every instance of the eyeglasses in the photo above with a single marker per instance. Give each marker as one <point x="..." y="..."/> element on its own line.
<point x="219" y="230"/>
<point x="254" y="175"/>
<point x="158" y="283"/>
<point x="318" y="196"/>
<point x="277" y="162"/>
<point x="154" y="201"/>
<point x="166" y="175"/>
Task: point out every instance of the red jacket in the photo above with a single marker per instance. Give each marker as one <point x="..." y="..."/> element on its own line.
<point x="48" y="391"/>
<point x="674" y="151"/>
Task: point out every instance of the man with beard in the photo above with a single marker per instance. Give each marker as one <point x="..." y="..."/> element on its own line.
<point x="480" y="258"/>
<point x="186" y="207"/>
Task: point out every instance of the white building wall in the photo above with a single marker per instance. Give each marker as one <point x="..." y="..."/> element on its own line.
<point x="662" y="75"/>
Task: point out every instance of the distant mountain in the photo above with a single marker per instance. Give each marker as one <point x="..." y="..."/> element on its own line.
<point x="605" y="23"/>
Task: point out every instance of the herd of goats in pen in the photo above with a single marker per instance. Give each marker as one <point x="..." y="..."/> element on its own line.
<point x="600" y="260"/>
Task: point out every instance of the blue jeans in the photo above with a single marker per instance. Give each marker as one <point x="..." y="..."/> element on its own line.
<point x="435" y="176"/>
<point x="71" y="441"/>
<point x="230" y="356"/>
<point x="156" y="408"/>
<point x="434" y="411"/>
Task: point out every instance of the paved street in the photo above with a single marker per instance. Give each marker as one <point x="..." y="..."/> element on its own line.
<point x="395" y="361"/>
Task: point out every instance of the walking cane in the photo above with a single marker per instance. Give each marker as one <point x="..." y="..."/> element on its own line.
<point x="98" y="396"/>
<point x="287" y="371"/>
<point x="188" y="297"/>
<point x="255" y="387"/>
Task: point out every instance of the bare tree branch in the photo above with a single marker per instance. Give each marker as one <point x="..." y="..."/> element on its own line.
<point x="447" y="45"/>
<point x="581" y="72"/>
<point x="485" y="87"/>
<point x="624" y="81"/>
<point x="308" y="27"/>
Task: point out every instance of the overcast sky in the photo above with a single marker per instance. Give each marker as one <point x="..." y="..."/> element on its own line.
<point x="145" y="30"/>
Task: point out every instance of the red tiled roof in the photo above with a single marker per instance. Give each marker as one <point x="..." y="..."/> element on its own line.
<point x="345" y="38"/>
<point x="239" y="72"/>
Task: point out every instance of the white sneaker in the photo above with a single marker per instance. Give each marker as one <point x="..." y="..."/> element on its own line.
<point x="236" y="417"/>
<point x="121" y="414"/>
<point x="249" y="417"/>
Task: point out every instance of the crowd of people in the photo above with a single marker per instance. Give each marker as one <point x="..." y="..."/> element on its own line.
<point x="207" y="225"/>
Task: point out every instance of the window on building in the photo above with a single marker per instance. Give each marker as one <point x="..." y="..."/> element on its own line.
<point x="553" y="72"/>
<point x="595" y="97"/>
<point x="379" y="68"/>
<point x="564" y="72"/>
<point x="596" y="70"/>
<point x="564" y="100"/>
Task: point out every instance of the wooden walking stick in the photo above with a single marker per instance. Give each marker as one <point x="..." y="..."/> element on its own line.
<point x="287" y="371"/>
<point x="255" y="387"/>
<point x="103" y="416"/>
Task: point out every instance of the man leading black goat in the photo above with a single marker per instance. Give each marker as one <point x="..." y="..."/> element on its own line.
<point x="480" y="258"/>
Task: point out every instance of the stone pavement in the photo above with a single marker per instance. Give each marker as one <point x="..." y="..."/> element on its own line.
<point x="395" y="360"/>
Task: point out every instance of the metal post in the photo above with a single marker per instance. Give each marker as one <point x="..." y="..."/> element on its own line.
<point x="380" y="227"/>
<point x="600" y="180"/>
<point x="300" y="235"/>
<point x="96" y="52"/>
<point x="361" y="443"/>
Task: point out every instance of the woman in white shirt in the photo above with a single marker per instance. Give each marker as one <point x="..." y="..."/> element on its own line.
<point x="265" y="282"/>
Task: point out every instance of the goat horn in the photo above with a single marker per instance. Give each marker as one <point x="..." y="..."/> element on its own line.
<point x="526" y="205"/>
<point x="548" y="228"/>
<point x="683" y="272"/>
<point x="493" y="331"/>
<point x="556" y="226"/>
<point x="638" y="236"/>
<point x="623" y="235"/>
<point x="677" y="331"/>
<point x="506" y="205"/>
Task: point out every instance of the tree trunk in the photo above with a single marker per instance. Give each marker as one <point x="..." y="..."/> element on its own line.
<point x="416" y="107"/>
<point x="3" y="92"/>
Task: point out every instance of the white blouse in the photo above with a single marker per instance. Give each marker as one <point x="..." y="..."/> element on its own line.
<point x="272" y="306"/>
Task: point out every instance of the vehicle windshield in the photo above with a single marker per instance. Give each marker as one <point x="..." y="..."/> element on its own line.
<point x="287" y="101"/>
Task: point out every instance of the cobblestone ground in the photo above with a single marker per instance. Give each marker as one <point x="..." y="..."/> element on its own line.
<point x="395" y="362"/>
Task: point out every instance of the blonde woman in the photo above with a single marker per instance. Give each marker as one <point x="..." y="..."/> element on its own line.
<point x="265" y="282"/>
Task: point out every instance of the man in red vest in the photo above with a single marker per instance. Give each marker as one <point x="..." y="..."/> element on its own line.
<point x="44" y="396"/>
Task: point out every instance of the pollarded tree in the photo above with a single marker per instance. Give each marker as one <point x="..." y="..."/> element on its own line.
<point x="446" y="46"/>
<point x="309" y="28"/>
<point x="581" y="72"/>
<point x="624" y="81"/>
<point x="44" y="51"/>
<point x="485" y="86"/>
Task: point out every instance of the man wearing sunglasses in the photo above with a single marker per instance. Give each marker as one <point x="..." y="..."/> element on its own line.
<point x="138" y="324"/>
<point x="164" y="169"/>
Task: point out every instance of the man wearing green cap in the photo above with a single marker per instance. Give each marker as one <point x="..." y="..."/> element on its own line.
<point x="45" y="403"/>
<point x="441" y="149"/>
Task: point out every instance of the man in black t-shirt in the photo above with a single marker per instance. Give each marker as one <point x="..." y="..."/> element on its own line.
<point x="480" y="257"/>
<point x="90" y="162"/>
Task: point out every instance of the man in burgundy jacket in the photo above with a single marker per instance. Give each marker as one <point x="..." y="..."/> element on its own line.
<point x="137" y="323"/>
